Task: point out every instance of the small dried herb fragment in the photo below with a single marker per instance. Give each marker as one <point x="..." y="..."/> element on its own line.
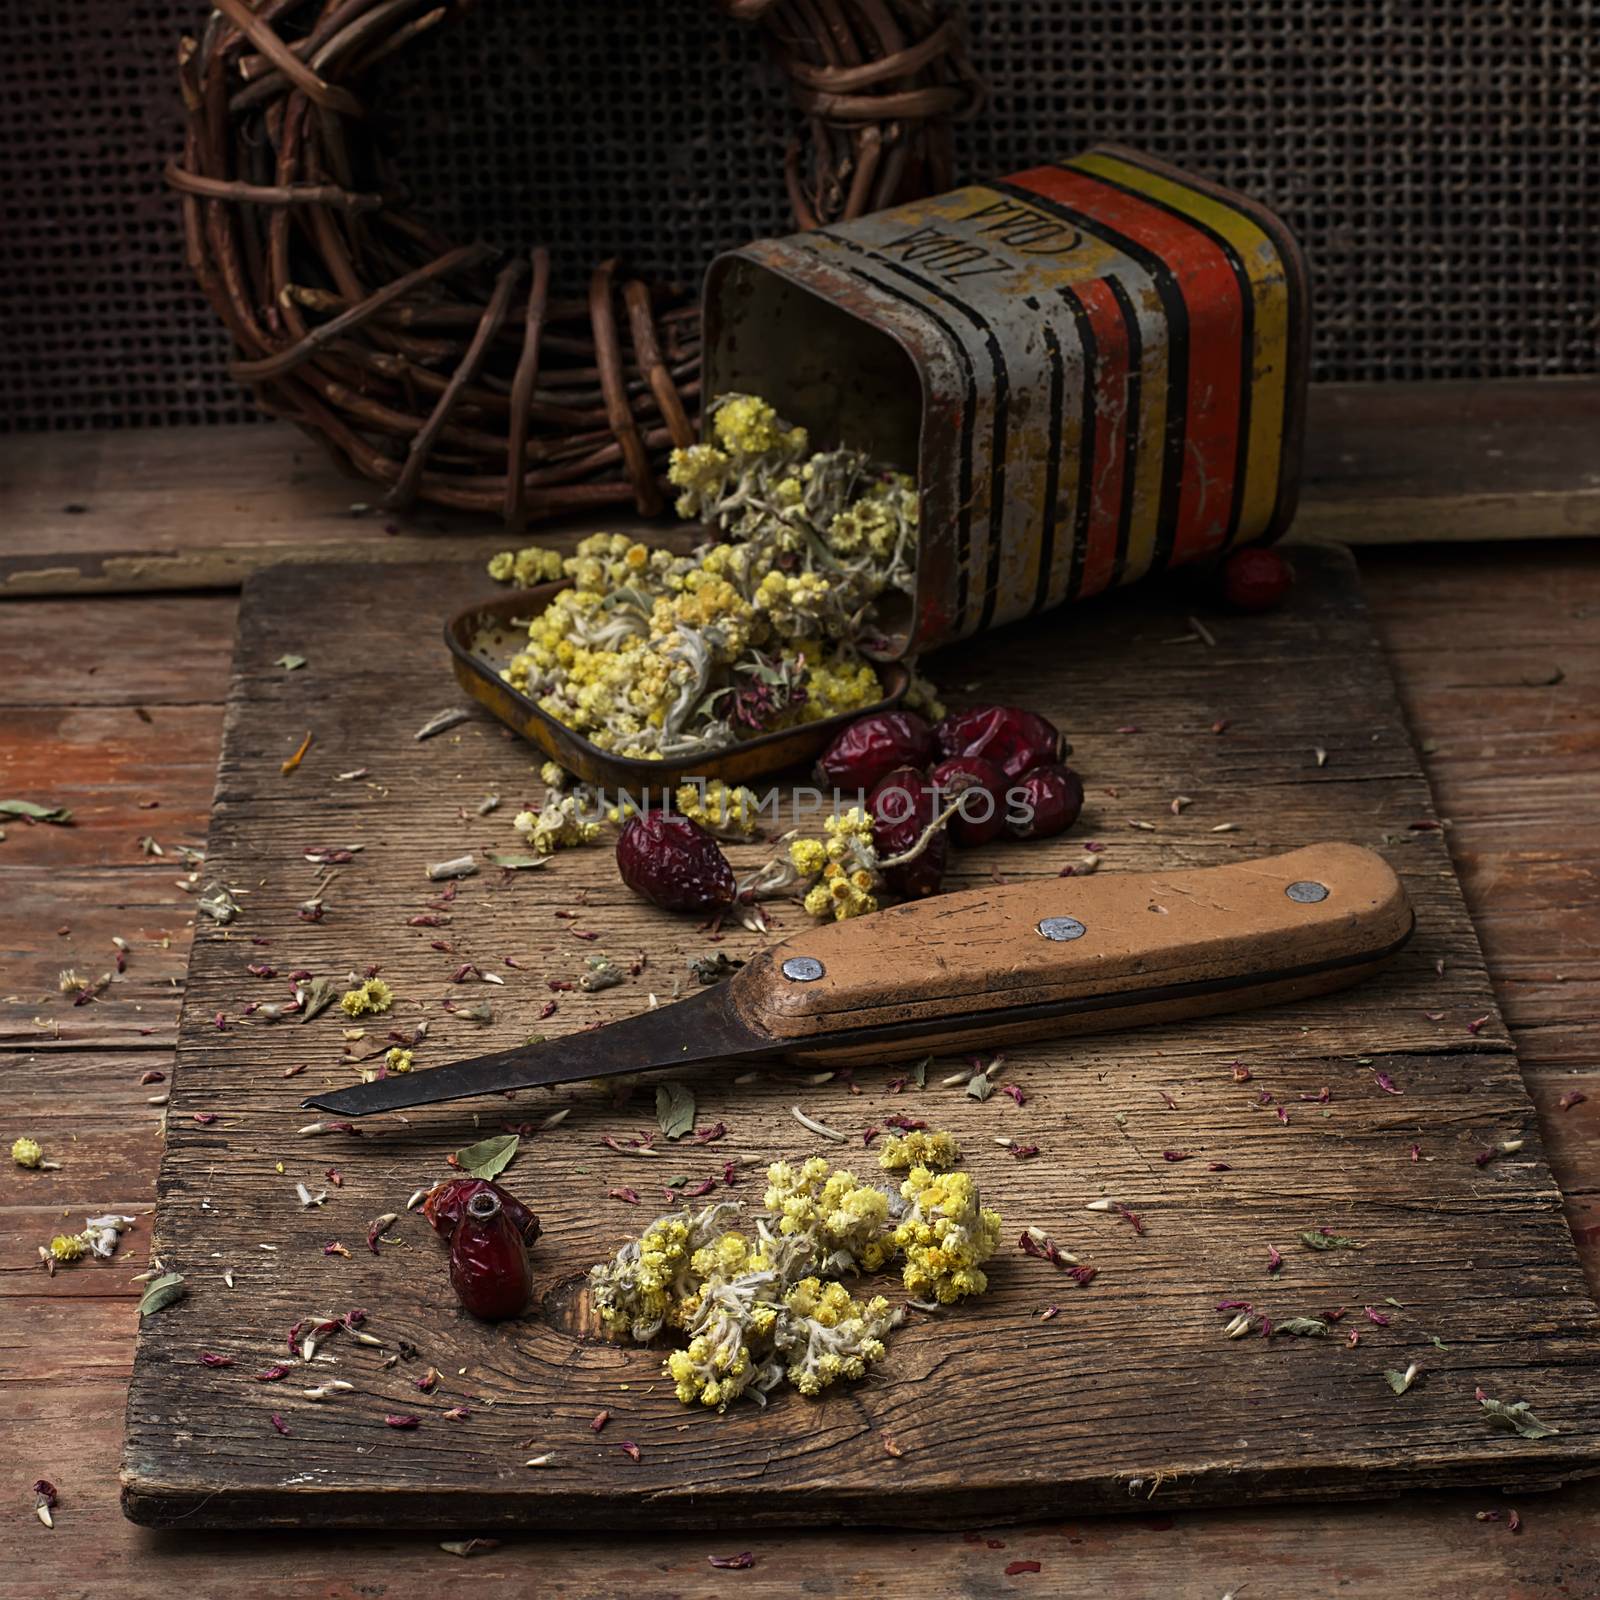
<point x="514" y="861"/>
<point x="170" y="1286"/>
<point x="402" y="1422"/>
<point x="1301" y="1327"/>
<point x="1321" y="1239"/>
<point x="1401" y="1381"/>
<point x="738" y="1563"/>
<point x="674" y="1109"/>
<point x="1573" y="1097"/>
<point x="468" y="1547"/>
<point x="1516" y="1418"/>
<point x="489" y="1157"/>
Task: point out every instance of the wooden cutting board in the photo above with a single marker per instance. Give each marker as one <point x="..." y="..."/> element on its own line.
<point x="1041" y="1397"/>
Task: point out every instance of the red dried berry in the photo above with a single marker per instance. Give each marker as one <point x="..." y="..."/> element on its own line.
<point x="1015" y="740"/>
<point x="1053" y="797"/>
<point x="445" y="1202"/>
<point x="871" y="747"/>
<point x="674" y="863"/>
<point x="1256" y="580"/>
<point x="902" y="809"/>
<point x="981" y="787"/>
<point x="489" y="1268"/>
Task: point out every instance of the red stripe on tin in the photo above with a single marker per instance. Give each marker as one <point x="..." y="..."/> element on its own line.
<point x="1211" y="292"/>
<point x="1112" y="421"/>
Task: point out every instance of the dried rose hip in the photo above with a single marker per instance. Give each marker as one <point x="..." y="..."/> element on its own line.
<point x="1012" y="739"/>
<point x="902" y="808"/>
<point x="872" y="746"/>
<point x="982" y="786"/>
<point x="445" y="1202"/>
<point x="489" y="1268"/>
<point x="1256" y="580"/>
<point x="1054" y="795"/>
<point x="674" y="863"/>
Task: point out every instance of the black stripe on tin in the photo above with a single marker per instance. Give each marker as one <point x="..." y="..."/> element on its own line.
<point x="1086" y="431"/>
<point x="964" y="520"/>
<point x="1052" y="466"/>
<point x="1247" y="331"/>
<point x="1177" y="313"/>
<point x="1130" y="427"/>
<point x="998" y="442"/>
<point x="1298" y="320"/>
<point x="968" y="417"/>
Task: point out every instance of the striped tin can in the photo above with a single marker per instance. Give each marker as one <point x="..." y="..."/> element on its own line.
<point x="1095" y="369"/>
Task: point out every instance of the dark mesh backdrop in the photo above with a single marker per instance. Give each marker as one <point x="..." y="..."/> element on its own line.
<point x="1439" y="159"/>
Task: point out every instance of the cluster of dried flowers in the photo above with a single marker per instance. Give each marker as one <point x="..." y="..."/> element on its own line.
<point x="764" y="1304"/>
<point x="651" y="655"/>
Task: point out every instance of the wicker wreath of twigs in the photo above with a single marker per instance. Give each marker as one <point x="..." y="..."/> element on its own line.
<point x="428" y="365"/>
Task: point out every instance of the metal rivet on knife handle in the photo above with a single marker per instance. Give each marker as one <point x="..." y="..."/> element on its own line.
<point x="1306" y="892"/>
<point x="1062" y="928"/>
<point x="802" y="969"/>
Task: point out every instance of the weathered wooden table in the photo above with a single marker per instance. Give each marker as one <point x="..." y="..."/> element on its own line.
<point x="112" y="706"/>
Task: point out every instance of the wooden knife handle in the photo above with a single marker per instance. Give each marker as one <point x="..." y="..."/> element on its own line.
<point x="1098" y="952"/>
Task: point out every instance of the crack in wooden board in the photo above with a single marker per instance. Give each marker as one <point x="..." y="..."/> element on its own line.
<point x="1129" y="1393"/>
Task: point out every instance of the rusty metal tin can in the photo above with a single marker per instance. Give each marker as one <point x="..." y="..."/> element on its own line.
<point x="1095" y="369"/>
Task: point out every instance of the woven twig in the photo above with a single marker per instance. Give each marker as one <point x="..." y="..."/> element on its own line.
<point x="421" y="364"/>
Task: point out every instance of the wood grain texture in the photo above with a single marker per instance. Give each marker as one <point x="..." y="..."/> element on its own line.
<point x="1478" y="1256"/>
<point x="1500" y="754"/>
<point x="182" y="508"/>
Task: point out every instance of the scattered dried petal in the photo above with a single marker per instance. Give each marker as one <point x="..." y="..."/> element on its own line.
<point x="629" y="1449"/>
<point x="738" y="1563"/>
<point x="404" y="1422"/>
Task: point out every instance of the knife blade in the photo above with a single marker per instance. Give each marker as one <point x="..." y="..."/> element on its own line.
<point x="984" y="967"/>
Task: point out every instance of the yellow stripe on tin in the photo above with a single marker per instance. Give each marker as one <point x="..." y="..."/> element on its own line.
<point x="1264" y="264"/>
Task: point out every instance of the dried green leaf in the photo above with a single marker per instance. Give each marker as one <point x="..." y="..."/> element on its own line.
<point x="290" y="663"/>
<point x="1516" y="1418"/>
<point x="513" y="861"/>
<point x="35" y="813"/>
<point x="161" y="1293"/>
<point x="489" y="1157"/>
<point x="1329" y="1241"/>
<point x="979" y="1087"/>
<point x="919" y="1073"/>
<point x="1400" y="1381"/>
<point x="320" y="993"/>
<point x="1303" y="1327"/>
<point x="674" y="1109"/>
